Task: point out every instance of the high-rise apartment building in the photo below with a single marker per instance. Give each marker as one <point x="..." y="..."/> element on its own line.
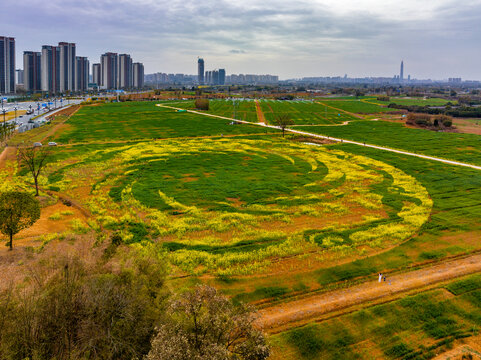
<point x="96" y="71"/>
<point x="109" y="71"/>
<point x="221" y="76"/>
<point x="32" y="71"/>
<point x="19" y="77"/>
<point x="401" y="73"/>
<point x="138" y="75"/>
<point x="67" y="66"/>
<point x="125" y="78"/>
<point x="81" y="73"/>
<point x="200" y="71"/>
<point x="50" y="66"/>
<point x="7" y="65"/>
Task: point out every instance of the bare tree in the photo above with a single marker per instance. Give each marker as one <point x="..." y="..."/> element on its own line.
<point x="205" y="325"/>
<point x="34" y="159"/>
<point x="283" y="121"/>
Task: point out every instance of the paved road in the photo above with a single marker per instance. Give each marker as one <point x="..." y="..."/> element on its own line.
<point x="445" y="161"/>
<point x="37" y="106"/>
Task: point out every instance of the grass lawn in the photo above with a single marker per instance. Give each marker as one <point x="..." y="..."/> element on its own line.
<point x="304" y="112"/>
<point x="453" y="146"/>
<point x="141" y="120"/>
<point x="356" y="106"/>
<point x="244" y="109"/>
<point x="416" y="327"/>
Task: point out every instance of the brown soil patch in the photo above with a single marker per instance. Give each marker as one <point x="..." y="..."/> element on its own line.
<point x="8" y="154"/>
<point x="189" y="179"/>
<point x="29" y="237"/>
<point x="468" y="126"/>
<point x="279" y="317"/>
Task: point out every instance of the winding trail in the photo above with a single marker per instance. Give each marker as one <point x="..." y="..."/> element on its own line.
<point x="305" y="133"/>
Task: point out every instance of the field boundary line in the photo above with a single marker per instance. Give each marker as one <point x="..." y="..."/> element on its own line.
<point x="305" y="133"/>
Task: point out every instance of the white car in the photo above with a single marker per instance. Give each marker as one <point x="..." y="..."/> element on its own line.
<point x="52" y="143"/>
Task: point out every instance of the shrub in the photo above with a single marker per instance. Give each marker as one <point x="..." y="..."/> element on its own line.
<point x="202" y="104"/>
<point x="419" y="119"/>
<point x="383" y="98"/>
<point x="445" y="120"/>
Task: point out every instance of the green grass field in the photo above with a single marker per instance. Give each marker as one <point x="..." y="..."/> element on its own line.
<point x="361" y="106"/>
<point x="453" y="146"/>
<point x="416" y="327"/>
<point x="243" y="109"/>
<point x="412" y="101"/>
<point x="304" y="112"/>
<point x="263" y="217"/>
<point x="142" y="120"/>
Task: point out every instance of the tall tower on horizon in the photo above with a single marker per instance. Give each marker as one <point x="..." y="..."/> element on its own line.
<point x="200" y="71"/>
<point x="401" y="75"/>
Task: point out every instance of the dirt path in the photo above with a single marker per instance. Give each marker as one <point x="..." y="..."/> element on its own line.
<point x="7" y="154"/>
<point x="260" y="114"/>
<point x="299" y="312"/>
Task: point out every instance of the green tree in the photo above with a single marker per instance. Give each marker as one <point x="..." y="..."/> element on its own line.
<point x="18" y="211"/>
<point x="34" y="158"/>
<point x="203" y="324"/>
<point x="283" y="121"/>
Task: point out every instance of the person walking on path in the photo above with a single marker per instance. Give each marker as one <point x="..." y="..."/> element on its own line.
<point x="380" y="277"/>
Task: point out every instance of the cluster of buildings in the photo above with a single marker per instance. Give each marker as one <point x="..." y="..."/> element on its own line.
<point x="58" y="69"/>
<point x="117" y="71"/>
<point x="163" y="78"/>
<point x="214" y="77"/>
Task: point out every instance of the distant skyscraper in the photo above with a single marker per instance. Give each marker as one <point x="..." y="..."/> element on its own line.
<point x="50" y="66"/>
<point x="125" y="72"/>
<point x="138" y="78"/>
<point x="200" y="71"/>
<point x="81" y="73"/>
<point x="96" y="79"/>
<point x="401" y="74"/>
<point x="109" y="70"/>
<point x="32" y="74"/>
<point x="67" y="66"/>
<point x="19" y="77"/>
<point x="221" y="76"/>
<point x="7" y="65"/>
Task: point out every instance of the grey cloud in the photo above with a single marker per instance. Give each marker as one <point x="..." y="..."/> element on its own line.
<point x="293" y="38"/>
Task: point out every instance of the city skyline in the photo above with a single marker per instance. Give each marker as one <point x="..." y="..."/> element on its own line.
<point x="308" y="38"/>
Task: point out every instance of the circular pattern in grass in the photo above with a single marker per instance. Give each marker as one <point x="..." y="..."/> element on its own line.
<point x="231" y="206"/>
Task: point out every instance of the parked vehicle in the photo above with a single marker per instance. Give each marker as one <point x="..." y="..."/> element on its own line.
<point x="37" y="144"/>
<point x="51" y="143"/>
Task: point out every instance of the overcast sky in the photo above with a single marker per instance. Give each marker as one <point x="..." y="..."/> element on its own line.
<point x="436" y="38"/>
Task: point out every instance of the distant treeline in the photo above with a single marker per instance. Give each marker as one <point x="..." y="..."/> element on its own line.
<point x="462" y="111"/>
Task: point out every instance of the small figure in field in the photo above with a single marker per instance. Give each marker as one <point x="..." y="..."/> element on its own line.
<point x="389" y="281"/>
<point x="380" y="277"/>
<point x="384" y="278"/>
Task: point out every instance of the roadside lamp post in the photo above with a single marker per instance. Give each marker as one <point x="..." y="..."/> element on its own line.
<point x="55" y="102"/>
<point x="15" y="108"/>
<point x="4" y="115"/>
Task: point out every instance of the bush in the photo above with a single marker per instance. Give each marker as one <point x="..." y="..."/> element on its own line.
<point x="202" y="104"/>
<point x="383" y="98"/>
<point x="446" y="120"/>
<point x="419" y="119"/>
<point x="77" y="309"/>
